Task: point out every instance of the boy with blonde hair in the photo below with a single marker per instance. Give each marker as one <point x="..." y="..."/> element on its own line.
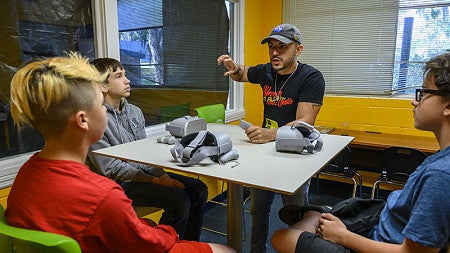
<point x="54" y="190"/>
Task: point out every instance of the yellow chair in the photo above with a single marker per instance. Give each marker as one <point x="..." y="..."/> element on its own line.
<point x="142" y="211"/>
<point x="20" y="240"/>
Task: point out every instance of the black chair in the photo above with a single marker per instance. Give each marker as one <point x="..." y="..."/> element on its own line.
<point x="398" y="163"/>
<point x="340" y="167"/>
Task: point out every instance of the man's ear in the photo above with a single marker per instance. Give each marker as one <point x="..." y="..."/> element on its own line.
<point x="298" y="49"/>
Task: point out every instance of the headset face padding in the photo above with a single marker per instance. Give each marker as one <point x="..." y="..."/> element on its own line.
<point x="306" y="132"/>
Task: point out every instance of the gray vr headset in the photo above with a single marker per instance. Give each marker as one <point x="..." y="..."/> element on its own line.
<point x="195" y="147"/>
<point x="298" y="138"/>
<point x="185" y="125"/>
<point x="180" y="127"/>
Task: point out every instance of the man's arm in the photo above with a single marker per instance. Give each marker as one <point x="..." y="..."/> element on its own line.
<point x="235" y="71"/>
<point x="306" y="112"/>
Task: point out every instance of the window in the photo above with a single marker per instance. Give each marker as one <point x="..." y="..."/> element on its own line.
<point x="423" y="31"/>
<point x="172" y="47"/>
<point x="370" y="47"/>
<point x="37" y="29"/>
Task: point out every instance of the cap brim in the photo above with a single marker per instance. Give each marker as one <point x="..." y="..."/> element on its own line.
<point x="277" y="37"/>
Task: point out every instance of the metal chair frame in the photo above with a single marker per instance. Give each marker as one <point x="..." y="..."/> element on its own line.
<point x="398" y="163"/>
<point x="340" y="167"/>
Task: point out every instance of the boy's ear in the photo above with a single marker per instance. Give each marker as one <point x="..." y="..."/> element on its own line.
<point x="104" y="88"/>
<point x="81" y="120"/>
<point x="447" y="109"/>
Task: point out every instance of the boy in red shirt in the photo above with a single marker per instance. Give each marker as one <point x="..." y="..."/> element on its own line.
<point x="55" y="191"/>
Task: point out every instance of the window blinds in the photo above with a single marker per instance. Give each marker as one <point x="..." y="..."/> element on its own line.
<point x="351" y="42"/>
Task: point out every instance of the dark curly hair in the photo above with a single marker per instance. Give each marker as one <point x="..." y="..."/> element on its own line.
<point x="439" y="68"/>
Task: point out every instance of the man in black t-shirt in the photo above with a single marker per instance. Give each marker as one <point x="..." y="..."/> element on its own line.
<point x="292" y="91"/>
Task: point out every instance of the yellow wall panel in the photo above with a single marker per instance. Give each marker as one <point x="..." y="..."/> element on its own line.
<point x="390" y="102"/>
<point x="355" y="114"/>
<point x="354" y="101"/>
<point x="387" y="115"/>
<point x="391" y="117"/>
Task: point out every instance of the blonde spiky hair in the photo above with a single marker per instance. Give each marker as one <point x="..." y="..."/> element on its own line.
<point x="44" y="94"/>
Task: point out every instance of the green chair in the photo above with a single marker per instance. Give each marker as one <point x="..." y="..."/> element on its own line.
<point x="20" y="240"/>
<point x="212" y="113"/>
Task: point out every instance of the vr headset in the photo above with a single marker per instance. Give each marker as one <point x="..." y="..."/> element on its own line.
<point x="181" y="127"/>
<point x="298" y="138"/>
<point x="195" y="147"/>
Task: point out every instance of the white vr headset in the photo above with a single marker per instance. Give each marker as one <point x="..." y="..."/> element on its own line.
<point x="298" y="138"/>
<point x="185" y="125"/>
<point x="195" y="147"/>
<point x="180" y="127"/>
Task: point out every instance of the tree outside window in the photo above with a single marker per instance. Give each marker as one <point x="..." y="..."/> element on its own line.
<point x="422" y="33"/>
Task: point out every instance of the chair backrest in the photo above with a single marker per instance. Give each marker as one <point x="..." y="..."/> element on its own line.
<point x="399" y="162"/>
<point x="341" y="162"/>
<point x="212" y="113"/>
<point x="19" y="240"/>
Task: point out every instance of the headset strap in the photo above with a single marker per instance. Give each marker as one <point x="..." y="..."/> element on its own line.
<point x="194" y="152"/>
<point x="312" y="143"/>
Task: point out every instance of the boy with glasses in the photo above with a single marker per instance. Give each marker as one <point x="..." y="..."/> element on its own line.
<point x="415" y="219"/>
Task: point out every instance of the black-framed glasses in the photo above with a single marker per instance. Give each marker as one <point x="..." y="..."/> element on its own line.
<point x="420" y="93"/>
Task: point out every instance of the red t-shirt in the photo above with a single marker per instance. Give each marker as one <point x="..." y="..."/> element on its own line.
<point x="65" y="197"/>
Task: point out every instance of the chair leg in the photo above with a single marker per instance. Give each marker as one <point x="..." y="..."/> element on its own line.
<point x="244" y="236"/>
<point x="355" y="185"/>
<point x="360" y="184"/>
<point x="317" y="184"/>
<point x="226" y="205"/>
<point x="222" y="203"/>
<point x="375" y="187"/>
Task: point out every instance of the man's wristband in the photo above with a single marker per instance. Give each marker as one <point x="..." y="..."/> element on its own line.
<point x="237" y="70"/>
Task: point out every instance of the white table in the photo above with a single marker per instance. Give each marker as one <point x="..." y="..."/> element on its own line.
<point x="259" y="166"/>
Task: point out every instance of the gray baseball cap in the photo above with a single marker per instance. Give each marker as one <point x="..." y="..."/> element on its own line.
<point x="285" y="33"/>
